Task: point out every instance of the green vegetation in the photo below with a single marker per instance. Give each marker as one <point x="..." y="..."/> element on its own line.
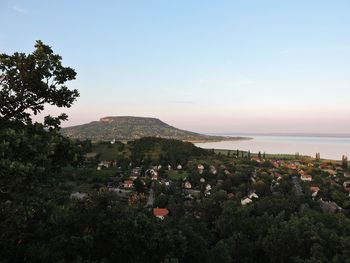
<point x="58" y="203"/>
<point x="177" y="175"/>
<point x="127" y="128"/>
<point x="107" y="151"/>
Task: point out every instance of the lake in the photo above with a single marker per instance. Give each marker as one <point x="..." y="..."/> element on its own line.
<point x="329" y="147"/>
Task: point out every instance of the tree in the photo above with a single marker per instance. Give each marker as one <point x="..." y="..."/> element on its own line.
<point x="29" y="150"/>
<point x="28" y="82"/>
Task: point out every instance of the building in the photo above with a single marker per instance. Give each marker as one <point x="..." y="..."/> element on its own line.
<point x="160" y="213"/>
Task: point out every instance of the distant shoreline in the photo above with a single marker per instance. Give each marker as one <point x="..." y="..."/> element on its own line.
<point x="321" y="135"/>
<point x="226" y="138"/>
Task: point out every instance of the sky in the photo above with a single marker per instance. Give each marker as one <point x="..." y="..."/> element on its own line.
<point x="206" y="66"/>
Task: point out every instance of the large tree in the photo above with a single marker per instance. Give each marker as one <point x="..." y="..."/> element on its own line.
<point x="29" y="81"/>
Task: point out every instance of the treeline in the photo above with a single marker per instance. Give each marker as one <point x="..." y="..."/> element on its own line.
<point x="163" y="151"/>
<point x="100" y="229"/>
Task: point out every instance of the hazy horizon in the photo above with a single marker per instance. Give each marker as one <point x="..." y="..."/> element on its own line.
<point x="228" y="66"/>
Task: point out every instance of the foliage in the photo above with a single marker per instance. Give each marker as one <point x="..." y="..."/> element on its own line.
<point x="41" y="222"/>
<point x="28" y="82"/>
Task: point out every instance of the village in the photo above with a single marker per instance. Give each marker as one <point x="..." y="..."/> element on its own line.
<point x="162" y="188"/>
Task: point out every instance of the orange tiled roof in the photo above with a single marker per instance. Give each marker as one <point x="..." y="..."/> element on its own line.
<point x="160" y="211"/>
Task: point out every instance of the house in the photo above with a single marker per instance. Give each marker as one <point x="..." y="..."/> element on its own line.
<point x="200" y="168"/>
<point x="212" y="169"/>
<point x="347" y="174"/>
<point x="346" y="185"/>
<point x="188" y="185"/>
<point x="246" y="200"/>
<point x="104" y="164"/>
<point x="314" y="190"/>
<point x="207" y="190"/>
<point x="78" y="196"/>
<point x="305" y="177"/>
<point x="253" y="194"/>
<point x="136" y="172"/>
<point x="152" y="173"/>
<point x="128" y="184"/>
<point x="160" y="213"/>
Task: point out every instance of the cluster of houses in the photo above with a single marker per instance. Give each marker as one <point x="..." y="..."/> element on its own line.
<point x="302" y="170"/>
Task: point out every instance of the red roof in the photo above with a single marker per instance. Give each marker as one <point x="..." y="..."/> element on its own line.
<point x="314" y="189"/>
<point x="160" y="212"/>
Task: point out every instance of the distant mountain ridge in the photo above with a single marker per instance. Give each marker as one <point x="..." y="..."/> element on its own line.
<point x="131" y="128"/>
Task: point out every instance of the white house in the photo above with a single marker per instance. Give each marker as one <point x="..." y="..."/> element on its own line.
<point x="246" y="200"/>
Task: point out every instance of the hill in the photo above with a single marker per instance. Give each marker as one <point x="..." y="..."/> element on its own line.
<point x="130" y="128"/>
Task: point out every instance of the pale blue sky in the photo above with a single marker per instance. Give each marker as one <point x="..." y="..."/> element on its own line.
<point x="206" y="66"/>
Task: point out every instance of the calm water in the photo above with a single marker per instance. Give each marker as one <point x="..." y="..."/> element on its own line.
<point x="329" y="147"/>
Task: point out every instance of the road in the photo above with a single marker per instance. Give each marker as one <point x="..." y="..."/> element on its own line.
<point x="150" y="200"/>
<point x="297" y="186"/>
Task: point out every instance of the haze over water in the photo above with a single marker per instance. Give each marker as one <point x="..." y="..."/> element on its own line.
<point x="329" y="147"/>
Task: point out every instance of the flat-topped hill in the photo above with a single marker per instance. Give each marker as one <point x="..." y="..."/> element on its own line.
<point x="131" y="128"/>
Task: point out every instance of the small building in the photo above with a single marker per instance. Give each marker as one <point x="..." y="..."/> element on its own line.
<point x="346" y="185"/>
<point x="253" y="195"/>
<point x="105" y="164"/>
<point x="200" y="168"/>
<point x="188" y="185"/>
<point x="246" y="200"/>
<point x="128" y="184"/>
<point x="213" y="169"/>
<point x="78" y="196"/>
<point x="306" y="177"/>
<point x="160" y="213"/>
<point x="314" y="190"/>
<point x="136" y="172"/>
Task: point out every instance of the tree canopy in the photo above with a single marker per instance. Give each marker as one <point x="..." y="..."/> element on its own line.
<point x="29" y="81"/>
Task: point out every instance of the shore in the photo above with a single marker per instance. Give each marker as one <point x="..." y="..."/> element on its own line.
<point x="221" y="139"/>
